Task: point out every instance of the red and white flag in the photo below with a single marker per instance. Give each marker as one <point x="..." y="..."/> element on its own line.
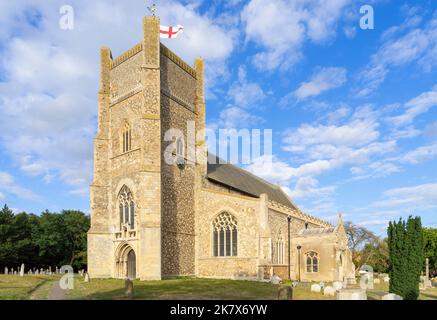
<point x="170" y="32"/>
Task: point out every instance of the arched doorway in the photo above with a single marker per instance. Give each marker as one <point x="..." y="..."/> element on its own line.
<point x="125" y="262"/>
<point x="131" y="265"/>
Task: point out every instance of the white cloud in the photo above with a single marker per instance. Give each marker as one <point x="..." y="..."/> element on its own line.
<point x="9" y="186"/>
<point x="48" y="101"/>
<point x="410" y="199"/>
<point x="417" y="45"/>
<point x="420" y="154"/>
<point x="354" y="133"/>
<point x="245" y="93"/>
<point x="282" y="27"/>
<point x="416" y="107"/>
<point x="308" y="187"/>
<point x="234" y="117"/>
<point x="323" y="80"/>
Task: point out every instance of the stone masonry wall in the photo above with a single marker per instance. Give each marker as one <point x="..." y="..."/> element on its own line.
<point x="177" y="109"/>
<point x="246" y="212"/>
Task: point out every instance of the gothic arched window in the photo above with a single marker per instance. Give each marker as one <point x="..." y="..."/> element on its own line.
<point x="225" y="242"/>
<point x="279" y="249"/>
<point x="126" y="137"/>
<point x="127" y="207"/>
<point x="312" y="261"/>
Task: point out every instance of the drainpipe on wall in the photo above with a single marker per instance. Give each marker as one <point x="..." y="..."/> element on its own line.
<point x="289" y="247"/>
<point x="298" y="259"/>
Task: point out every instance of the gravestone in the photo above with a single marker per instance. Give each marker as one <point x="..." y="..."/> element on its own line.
<point x="37" y="271"/>
<point x="351" y="294"/>
<point x="391" y="296"/>
<point x="316" y="288"/>
<point x="41" y="271"/>
<point x="322" y="285"/>
<point x="56" y="270"/>
<point x="337" y="285"/>
<point x="276" y="280"/>
<point x="12" y="270"/>
<point x="329" y="291"/>
<point x="22" y="270"/>
<point x="288" y="292"/>
<point x="6" y="270"/>
<point x="87" y="277"/>
<point x="366" y="280"/>
<point x="426" y="283"/>
<point x="295" y="284"/>
<point x="15" y="273"/>
<point x="128" y="287"/>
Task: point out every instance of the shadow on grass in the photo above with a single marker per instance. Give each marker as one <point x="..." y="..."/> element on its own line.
<point x="182" y="289"/>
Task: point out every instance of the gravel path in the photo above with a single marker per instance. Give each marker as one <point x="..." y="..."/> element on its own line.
<point x="56" y="293"/>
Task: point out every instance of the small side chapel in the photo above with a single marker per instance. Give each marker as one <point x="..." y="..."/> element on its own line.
<point x="151" y="220"/>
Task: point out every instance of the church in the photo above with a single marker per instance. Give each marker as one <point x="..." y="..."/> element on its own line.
<point x="151" y="220"/>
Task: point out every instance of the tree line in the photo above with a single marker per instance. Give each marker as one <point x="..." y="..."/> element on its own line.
<point x="369" y="249"/>
<point x="49" y="239"/>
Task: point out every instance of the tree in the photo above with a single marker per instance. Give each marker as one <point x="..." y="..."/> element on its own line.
<point x="377" y="255"/>
<point x="430" y="249"/>
<point x="76" y="227"/>
<point x="7" y="252"/>
<point x="405" y="242"/>
<point x="358" y="239"/>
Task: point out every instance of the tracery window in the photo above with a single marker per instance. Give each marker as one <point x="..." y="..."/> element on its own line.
<point x="312" y="261"/>
<point x="127" y="208"/>
<point x="225" y="241"/>
<point x="126" y="138"/>
<point x="279" y="249"/>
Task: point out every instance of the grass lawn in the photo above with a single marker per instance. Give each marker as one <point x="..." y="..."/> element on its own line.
<point x="39" y="287"/>
<point x="14" y="287"/>
<point x="184" y="289"/>
<point x="430" y="294"/>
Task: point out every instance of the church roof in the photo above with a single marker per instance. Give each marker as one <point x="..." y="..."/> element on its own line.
<point x="244" y="181"/>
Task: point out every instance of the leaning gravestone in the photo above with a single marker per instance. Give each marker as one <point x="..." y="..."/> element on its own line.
<point x="329" y="291"/>
<point x="128" y="287"/>
<point x="22" y="270"/>
<point x="337" y="285"/>
<point x="87" y="277"/>
<point x="316" y="288"/>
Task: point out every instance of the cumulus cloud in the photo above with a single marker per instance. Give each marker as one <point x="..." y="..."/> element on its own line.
<point x="323" y="80"/>
<point x="282" y="27"/>
<point x="49" y="86"/>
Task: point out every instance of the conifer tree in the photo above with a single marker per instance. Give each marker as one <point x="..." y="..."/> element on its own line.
<point x="405" y="240"/>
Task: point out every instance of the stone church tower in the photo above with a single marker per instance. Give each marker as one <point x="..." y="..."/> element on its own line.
<point x="154" y="220"/>
<point x="141" y="207"/>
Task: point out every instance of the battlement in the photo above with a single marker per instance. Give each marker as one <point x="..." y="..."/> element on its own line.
<point x="296" y="213"/>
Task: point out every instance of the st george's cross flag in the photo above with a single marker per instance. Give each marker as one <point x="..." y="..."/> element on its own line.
<point x="170" y="32"/>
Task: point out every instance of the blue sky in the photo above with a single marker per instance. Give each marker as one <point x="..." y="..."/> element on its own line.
<point x="353" y="112"/>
